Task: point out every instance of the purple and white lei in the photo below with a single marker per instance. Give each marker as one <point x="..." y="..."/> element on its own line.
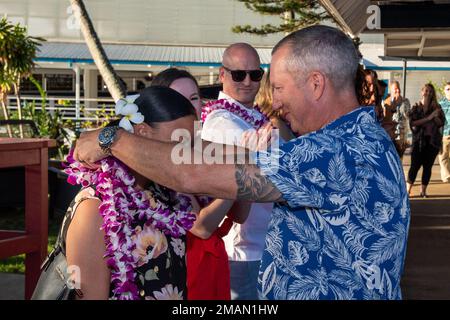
<point x="123" y="205"/>
<point x="224" y="104"/>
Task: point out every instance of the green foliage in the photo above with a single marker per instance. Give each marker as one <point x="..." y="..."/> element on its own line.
<point x="17" y="51"/>
<point x="49" y="124"/>
<point x="13" y="219"/>
<point x="295" y="14"/>
<point x="102" y="117"/>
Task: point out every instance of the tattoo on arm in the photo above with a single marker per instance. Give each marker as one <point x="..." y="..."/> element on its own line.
<point x="253" y="186"/>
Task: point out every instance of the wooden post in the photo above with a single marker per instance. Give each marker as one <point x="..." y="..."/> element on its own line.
<point x="36" y="218"/>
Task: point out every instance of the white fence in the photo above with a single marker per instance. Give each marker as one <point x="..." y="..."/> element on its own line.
<point x="85" y="110"/>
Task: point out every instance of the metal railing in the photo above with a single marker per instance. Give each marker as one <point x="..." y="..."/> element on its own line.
<point x="69" y="108"/>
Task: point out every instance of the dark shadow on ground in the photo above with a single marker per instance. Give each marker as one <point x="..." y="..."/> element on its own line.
<point x="427" y="265"/>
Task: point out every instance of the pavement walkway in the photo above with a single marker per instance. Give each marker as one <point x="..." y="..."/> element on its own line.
<point x="427" y="265"/>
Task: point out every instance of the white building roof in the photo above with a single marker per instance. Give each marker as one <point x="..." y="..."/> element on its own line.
<point x="141" y="54"/>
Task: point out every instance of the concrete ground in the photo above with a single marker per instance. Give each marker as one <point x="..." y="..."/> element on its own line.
<point x="427" y="266"/>
<point x="12" y="286"/>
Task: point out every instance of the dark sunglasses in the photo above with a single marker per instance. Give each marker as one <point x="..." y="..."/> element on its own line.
<point x="240" y="75"/>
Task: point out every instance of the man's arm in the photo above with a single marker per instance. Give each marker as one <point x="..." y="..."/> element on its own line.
<point x="152" y="159"/>
<point x="253" y="186"/>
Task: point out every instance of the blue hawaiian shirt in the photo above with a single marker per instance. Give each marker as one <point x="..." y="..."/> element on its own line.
<point x="445" y="104"/>
<point x="341" y="232"/>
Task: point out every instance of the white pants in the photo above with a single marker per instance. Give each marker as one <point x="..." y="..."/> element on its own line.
<point x="444" y="158"/>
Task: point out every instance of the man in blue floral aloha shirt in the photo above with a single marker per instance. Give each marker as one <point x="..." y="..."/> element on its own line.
<point x="341" y="232"/>
<point x="340" y="225"/>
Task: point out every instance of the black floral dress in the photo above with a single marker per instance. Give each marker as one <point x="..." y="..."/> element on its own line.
<point x="161" y="269"/>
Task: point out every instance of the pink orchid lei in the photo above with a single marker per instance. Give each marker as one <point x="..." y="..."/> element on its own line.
<point x="123" y="205"/>
<point x="235" y="109"/>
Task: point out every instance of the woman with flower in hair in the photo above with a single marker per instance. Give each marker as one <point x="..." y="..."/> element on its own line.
<point x="139" y="253"/>
<point x="208" y="274"/>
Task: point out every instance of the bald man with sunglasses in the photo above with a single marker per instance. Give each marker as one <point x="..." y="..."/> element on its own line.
<point x="240" y="75"/>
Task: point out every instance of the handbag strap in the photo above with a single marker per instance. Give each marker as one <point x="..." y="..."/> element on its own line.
<point x="61" y="239"/>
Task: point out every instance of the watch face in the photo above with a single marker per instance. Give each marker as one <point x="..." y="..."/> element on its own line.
<point x="106" y="135"/>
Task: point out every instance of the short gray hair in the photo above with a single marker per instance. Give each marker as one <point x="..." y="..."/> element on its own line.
<point x="325" y="49"/>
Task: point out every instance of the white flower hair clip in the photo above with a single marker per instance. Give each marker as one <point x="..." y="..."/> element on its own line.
<point x="129" y="110"/>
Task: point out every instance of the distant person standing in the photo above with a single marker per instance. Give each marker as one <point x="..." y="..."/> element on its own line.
<point x="371" y="91"/>
<point x="444" y="155"/>
<point x="425" y="118"/>
<point x="395" y="120"/>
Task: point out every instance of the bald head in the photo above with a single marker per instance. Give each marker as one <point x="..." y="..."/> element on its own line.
<point x="237" y="51"/>
<point x="240" y="56"/>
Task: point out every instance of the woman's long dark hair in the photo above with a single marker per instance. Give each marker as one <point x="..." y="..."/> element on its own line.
<point x="433" y="102"/>
<point x="157" y="105"/>
<point x="362" y="88"/>
<point x="162" y="104"/>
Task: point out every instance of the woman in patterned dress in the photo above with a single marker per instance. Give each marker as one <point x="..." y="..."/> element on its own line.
<point x="161" y="266"/>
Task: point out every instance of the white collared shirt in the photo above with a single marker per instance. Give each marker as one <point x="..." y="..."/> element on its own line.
<point x="244" y="242"/>
<point x="224" y="127"/>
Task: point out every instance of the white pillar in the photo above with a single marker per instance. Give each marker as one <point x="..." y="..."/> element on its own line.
<point x="90" y="87"/>
<point x="77" y="70"/>
<point x="211" y="75"/>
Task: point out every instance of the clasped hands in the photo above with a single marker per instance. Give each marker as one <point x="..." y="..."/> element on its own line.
<point x="258" y="140"/>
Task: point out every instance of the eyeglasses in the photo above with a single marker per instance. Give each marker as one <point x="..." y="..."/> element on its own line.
<point x="240" y="75"/>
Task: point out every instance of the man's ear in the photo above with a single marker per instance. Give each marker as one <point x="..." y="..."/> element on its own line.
<point x="221" y="74"/>
<point x="317" y="83"/>
<point x="143" y="130"/>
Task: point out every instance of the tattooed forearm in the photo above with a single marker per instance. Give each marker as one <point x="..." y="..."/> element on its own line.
<point x="253" y="186"/>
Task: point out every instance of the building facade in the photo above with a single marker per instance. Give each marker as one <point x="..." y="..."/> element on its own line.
<point x="143" y="37"/>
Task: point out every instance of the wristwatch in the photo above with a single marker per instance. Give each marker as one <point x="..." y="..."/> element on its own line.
<point x="106" y="138"/>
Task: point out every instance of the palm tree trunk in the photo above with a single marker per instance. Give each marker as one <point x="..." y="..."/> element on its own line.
<point x="115" y="87"/>
<point x="19" y="106"/>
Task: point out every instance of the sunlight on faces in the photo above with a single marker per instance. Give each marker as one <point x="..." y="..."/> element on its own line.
<point x="245" y="91"/>
<point x="370" y="83"/>
<point x="426" y="92"/>
<point x="447" y="92"/>
<point x="190" y="91"/>
<point x="290" y="95"/>
<point x="395" y="91"/>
